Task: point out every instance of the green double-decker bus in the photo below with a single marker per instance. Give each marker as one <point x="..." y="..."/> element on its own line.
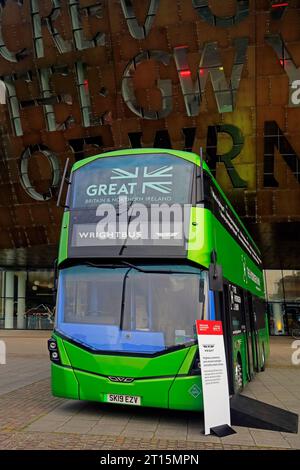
<point x="149" y="244"/>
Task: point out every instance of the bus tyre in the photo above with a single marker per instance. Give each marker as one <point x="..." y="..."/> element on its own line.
<point x="238" y="375"/>
<point x="263" y="358"/>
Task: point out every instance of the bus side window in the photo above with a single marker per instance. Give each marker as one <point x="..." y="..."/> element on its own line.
<point x="259" y="308"/>
<point x="235" y="305"/>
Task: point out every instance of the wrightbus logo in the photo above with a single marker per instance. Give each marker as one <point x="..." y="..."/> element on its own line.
<point x="161" y="182"/>
<point x="126" y="380"/>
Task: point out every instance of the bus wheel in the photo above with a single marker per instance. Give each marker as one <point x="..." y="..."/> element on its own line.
<point x="238" y="375"/>
<point x="263" y="358"/>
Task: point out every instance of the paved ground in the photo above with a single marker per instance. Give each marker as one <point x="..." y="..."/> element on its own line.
<point x="30" y="418"/>
<point x="27" y="359"/>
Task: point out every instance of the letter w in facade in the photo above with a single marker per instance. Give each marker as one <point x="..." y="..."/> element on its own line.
<point x="210" y="64"/>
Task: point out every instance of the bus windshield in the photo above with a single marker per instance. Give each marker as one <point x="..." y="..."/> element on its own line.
<point x="147" y="309"/>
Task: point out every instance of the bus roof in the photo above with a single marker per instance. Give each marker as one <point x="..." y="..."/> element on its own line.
<point x="189" y="156"/>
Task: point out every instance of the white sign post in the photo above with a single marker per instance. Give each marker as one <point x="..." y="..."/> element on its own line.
<point x="214" y="375"/>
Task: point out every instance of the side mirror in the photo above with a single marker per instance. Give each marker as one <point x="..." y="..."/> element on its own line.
<point x="215" y="275"/>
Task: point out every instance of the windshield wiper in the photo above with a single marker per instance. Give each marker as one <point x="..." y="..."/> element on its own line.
<point x="123" y="298"/>
<point x="133" y="266"/>
<point x="151" y="271"/>
<point x="129" y="217"/>
<point x="99" y="265"/>
<point x="176" y="347"/>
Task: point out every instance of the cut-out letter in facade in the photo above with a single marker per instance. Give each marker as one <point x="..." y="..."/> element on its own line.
<point x="7" y="54"/>
<point x="165" y="86"/>
<point x="61" y="44"/>
<point x="24" y="176"/>
<point x="76" y="12"/>
<point x="136" y="30"/>
<point x="237" y="145"/>
<point x="287" y="63"/>
<point x="205" y="12"/>
<point x="210" y="64"/>
<point x="275" y="139"/>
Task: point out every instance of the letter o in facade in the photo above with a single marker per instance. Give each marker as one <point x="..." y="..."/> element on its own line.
<point x="24" y="176"/>
<point x="165" y="86"/>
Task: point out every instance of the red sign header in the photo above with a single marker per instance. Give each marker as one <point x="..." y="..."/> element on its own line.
<point x="209" y="327"/>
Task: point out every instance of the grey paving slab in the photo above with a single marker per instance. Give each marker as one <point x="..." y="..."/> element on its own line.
<point x="111" y="418"/>
<point x="263" y="437"/>
<point x="89" y="414"/>
<point x="141" y="427"/>
<point x="295" y="445"/>
<point x="107" y="430"/>
<point x="45" y="426"/>
<point x="27" y="359"/>
<point x="79" y="428"/>
<point x="22" y="371"/>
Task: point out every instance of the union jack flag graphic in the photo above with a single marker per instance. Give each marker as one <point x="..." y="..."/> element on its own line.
<point x="165" y="171"/>
<point x="162" y="172"/>
<point x="163" y="187"/>
<point x="120" y="174"/>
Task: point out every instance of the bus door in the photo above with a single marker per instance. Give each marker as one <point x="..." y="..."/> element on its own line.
<point x="249" y="328"/>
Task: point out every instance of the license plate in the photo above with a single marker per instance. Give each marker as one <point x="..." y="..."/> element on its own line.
<point x="123" y="399"/>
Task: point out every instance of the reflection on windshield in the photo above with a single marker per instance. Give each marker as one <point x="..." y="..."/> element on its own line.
<point x="124" y="309"/>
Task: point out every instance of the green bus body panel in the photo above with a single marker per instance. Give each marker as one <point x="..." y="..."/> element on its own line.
<point x="153" y="392"/>
<point x="128" y="366"/>
<point x="186" y="364"/>
<point x="169" y="392"/>
<point x="158" y="380"/>
<point x="62" y="351"/>
<point x="235" y="261"/>
<point x="64" y="382"/>
<point x="264" y="337"/>
<point x="200" y="243"/>
<point x="207" y="233"/>
<point x="240" y="349"/>
<point x="64" y="236"/>
<point x="181" y="394"/>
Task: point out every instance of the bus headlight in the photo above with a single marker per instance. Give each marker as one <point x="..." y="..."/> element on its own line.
<point x="54" y="356"/>
<point x="53" y="350"/>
